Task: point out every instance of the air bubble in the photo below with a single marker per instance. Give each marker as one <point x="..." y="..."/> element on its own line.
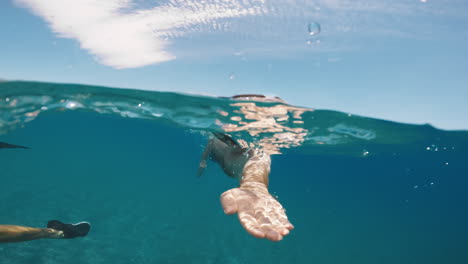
<point x="311" y="41"/>
<point x="313" y="28"/>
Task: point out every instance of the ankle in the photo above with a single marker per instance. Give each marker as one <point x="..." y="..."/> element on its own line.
<point x="254" y="186"/>
<point x="52" y="233"/>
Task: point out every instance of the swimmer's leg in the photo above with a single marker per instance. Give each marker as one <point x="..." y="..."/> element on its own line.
<point x="258" y="211"/>
<point x="12" y="233"/>
<point x="55" y="229"/>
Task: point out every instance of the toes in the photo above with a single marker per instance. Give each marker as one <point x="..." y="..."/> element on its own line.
<point x="288" y="225"/>
<point x="283" y="219"/>
<point x="228" y="202"/>
<point x="256" y="232"/>
<point x="273" y="236"/>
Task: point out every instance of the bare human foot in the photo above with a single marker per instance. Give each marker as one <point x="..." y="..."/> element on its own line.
<point x="259" y="213"/>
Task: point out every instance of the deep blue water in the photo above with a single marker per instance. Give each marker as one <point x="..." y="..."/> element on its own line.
<point x="135" y="181"/>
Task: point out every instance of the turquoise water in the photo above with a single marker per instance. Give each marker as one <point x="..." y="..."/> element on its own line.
<point x="358" y="190"/>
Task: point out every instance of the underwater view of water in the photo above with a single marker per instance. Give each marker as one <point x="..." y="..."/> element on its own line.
<point x="357" y="189"/>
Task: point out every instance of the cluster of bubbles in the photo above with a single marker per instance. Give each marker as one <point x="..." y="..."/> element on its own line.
<point x="313" y="29"/>
<point x="425" y="185"/>
<point x="436" y="148"/>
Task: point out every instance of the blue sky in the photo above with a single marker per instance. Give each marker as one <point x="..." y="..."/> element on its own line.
<point x="399" y="60"/>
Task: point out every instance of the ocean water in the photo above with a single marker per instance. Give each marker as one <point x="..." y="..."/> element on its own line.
<point x="358" y="190"/>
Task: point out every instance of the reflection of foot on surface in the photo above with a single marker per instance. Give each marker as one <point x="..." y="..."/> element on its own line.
<point x="259" y="213"/>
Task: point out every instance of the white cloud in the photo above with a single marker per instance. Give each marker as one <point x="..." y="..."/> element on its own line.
<point x="124" y="38"/>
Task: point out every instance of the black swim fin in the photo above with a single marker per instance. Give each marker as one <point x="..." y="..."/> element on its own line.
<point x="6" y="145"/>
<point x="70" y="230"/>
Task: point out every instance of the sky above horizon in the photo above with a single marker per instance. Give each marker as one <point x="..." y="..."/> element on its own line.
<point x="403" y="60"/>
